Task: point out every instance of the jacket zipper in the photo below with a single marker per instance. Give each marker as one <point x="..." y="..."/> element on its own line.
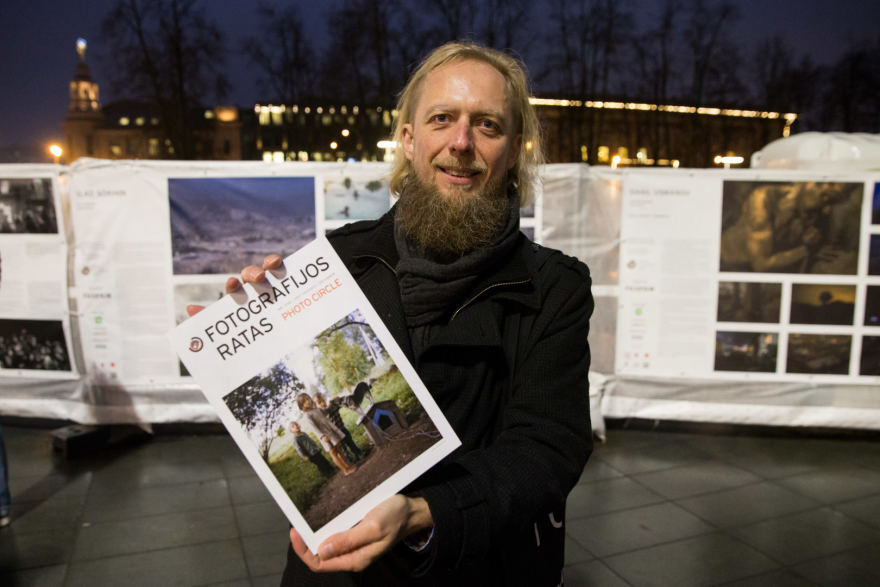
<point x="484" y="290"/>
<point x="378" y="258"/>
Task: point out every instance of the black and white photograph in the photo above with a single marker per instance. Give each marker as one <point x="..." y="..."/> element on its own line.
<point x="33" y="344"/>
<point x="818" y="354"/>
<point x="869" y="363"/>
<point x="221" y="224"/>
<point x="742" y="301"/>
<point x="805" y="227"/>
<point x="746" y="351"/>
<point x="334" y="419"/>
<point x="872" y="306"/>
<point x="822" y="303"/>
<point x="352" y="197"/>
<point x="27" y="206"/>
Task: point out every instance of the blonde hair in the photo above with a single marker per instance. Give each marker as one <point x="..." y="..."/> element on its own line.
<point x="524" y="173"/>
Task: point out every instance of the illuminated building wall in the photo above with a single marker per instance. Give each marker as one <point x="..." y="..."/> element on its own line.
<point x="654" y="134"/>
<point x="321" y="132"/>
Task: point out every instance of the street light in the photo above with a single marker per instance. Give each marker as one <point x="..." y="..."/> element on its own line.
<point x="728" y="160"/>
<point x="56" y="151"/>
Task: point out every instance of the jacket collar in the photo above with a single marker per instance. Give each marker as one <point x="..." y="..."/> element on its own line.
<point x="514" y="281"/>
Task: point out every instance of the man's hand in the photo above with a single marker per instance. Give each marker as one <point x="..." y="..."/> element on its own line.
<point x="354" y="550"/>
<point x="250" y="274"/>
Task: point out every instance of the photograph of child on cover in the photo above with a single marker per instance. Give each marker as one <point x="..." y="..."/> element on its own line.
<point x="818" y="353"/>
<point x="740" y="301"/>
<point x="822" y="303"/>
<point x="746" y="351"/>
<point x="221" y="224"/>
<point x="27" y="206"/>
<point x="791" y="227"/>
<point x="333" y="419"/>
<point x="33" y="344"/>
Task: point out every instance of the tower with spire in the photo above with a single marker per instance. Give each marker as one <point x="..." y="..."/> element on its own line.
<point x="84" y="115"/>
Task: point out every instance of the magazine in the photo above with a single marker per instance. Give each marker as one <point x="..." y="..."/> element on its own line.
<point x="316" y="393"/>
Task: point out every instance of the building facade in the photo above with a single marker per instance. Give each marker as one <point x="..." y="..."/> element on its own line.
<point x="133" y="130"/>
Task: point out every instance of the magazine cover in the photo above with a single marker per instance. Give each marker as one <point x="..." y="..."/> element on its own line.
<point x="315" y="391"/>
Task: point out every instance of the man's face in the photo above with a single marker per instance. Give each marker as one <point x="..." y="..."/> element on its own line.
<point x="462" y="138"/>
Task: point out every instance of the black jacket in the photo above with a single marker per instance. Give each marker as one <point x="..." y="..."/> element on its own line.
<point x="509" y="369"/>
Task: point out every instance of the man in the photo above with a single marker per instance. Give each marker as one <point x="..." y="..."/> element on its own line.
<point x="496" y="327"/>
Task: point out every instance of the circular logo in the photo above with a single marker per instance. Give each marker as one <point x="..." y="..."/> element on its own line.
<point x="196" y="344"/>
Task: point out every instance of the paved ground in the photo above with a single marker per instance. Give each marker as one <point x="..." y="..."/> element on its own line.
<point x="652" y="508"/>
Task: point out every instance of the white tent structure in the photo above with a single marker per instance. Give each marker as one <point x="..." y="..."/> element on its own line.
<point x="821" y="151"/>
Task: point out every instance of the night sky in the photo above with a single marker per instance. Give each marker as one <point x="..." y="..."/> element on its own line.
<point x="38" y="57"/>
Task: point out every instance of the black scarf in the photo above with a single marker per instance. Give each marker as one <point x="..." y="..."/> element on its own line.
<point x="429" y="289"/>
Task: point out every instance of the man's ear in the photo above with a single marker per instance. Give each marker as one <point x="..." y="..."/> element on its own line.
<point x="406" y="140"/>
<point x="513" y="156"/>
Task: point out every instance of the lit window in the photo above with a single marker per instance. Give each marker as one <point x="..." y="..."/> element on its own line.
<point x="278" y="156"/>
<point x="603" y="154"/>
<point x="303" y="156"/>
<point x="154" y="121"/>
<point x="623" y="152"/>
<point x="209" y="114"/>
<point x="154" y="147"/>
<point x="264" y="116"/>
<point x="116" y="150"/>
<point x="267" y="156"/>
<point x="124" y="121"/>
<point x="326" y="120"/>
<point x="140" y="121"/>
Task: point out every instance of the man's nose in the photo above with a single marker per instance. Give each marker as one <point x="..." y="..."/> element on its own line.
<point x="462" y="140"/>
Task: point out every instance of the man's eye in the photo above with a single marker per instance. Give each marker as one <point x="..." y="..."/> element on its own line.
<point x="489" y="124"/>
<point x="441" y="118"/>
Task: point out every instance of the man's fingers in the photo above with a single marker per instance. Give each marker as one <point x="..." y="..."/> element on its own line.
<point x="303" y="552"/>
<point x="272" y="261"/>
<point x="232" y="285"/>
<point x="252" y="274"/>
<point x="194" y="309"/>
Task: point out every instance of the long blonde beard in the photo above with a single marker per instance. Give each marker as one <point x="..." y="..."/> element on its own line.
<point x="447" y="228"/>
